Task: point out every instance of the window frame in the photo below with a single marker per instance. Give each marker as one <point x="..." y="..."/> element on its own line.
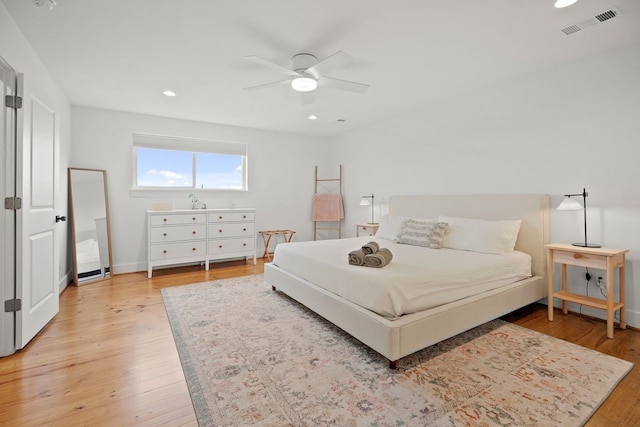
<point x="189" y="145"/>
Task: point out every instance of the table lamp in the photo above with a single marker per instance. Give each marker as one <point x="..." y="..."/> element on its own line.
<point x="569" y="204"/>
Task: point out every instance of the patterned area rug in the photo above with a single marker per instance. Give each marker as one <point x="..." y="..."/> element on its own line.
<point x="253" y="356"/>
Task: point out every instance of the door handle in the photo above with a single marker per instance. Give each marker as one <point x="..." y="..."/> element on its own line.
<point x="60" y="218"/>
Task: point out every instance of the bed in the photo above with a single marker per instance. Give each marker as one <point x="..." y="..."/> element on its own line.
<point x="395" y="335"/>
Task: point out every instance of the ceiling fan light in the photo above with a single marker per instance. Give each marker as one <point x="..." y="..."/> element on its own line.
<point x="304" y="84"/>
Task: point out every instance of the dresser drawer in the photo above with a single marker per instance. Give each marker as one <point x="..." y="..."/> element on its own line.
<point x="175" y="219"/>
<point x="177" y="233"/>
<point x="227" y="246"/>
<point x="231" y="216"/>
<point x="239" y="229"/>
<point x="178" y="250"/>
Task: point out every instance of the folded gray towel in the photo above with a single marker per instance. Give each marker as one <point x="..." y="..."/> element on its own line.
<point x="378" y="259"/>
<point x="371" y="248"/>
<point x="356" y="257"/>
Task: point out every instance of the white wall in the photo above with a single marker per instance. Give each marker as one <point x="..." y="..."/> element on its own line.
<point x="281" y="175"/>
<point x="38" y="83"/>
<point x="552" y="132"/>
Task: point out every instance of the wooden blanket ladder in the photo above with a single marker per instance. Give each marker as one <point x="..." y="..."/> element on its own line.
<point x="338" y="227"/>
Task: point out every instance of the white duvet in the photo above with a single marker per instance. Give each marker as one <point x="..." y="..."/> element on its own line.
<point x="416" y="279"/>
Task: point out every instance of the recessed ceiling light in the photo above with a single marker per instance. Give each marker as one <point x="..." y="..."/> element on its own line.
<point x="169" y="93"/>
<point x="313" y="117"/>
<point x="564" y="3"/>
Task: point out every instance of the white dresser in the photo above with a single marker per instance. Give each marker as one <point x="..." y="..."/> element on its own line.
<point x="203" y="235"/>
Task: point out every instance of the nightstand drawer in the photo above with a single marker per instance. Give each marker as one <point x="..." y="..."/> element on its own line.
<point x="580" y="259"/>
<point x="366" y="229"/>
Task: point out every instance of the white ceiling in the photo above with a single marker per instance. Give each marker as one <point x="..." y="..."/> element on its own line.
<point x="121" y="54"/>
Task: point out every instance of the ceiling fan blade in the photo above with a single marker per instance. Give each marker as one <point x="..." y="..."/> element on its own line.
<point x="267" y="85"/>
<point x="307" y="98"/>
<point x="327" y="65"/>
<point x="272" y="65"/>
<point x="343" y="85"/>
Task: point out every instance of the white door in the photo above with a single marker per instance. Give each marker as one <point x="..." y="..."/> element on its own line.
<point x="7" y="216"/>
<point x="38" y="182"/>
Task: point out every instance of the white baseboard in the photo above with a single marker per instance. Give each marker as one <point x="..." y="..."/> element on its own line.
<point x="65" y="281"/>
<point x="133" y="267"/>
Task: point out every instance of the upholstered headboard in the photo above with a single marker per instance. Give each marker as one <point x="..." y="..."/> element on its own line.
<point x="532" y="209"/>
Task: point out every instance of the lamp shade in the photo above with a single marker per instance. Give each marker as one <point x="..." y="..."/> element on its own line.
<point x="365" y="201"/>
<point x="569" y="204"/>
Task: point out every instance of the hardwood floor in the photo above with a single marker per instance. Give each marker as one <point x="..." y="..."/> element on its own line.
<point x="108" y="357"/>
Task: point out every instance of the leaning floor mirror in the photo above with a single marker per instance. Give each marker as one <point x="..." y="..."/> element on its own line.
<point x="90" y="228"/>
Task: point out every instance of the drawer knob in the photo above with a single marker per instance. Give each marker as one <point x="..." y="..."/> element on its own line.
<point x="220" y="246"/>
<point x="244" y="229"/>
<point x="220" y="231"/>
<point x="193" y="232"/>
<point x="164" y="252"/>
<point x="220" y="217"/>
<point x="244" y="217"/>
<point x="193" y="249"/>
<point x="577" y="256"/>
<point x="244" y="244"/>
<point x="194" y="218"/>
<point x="164" y="234"/>
<point x="164" y="219"/>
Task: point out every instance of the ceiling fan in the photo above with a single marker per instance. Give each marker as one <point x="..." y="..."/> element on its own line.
<point x="307" y="74"/>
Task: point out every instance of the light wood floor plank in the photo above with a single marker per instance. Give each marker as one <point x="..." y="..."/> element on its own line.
<point x="108" y="357"/>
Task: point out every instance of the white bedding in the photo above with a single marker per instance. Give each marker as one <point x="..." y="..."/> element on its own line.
<point x="416" y="279"/>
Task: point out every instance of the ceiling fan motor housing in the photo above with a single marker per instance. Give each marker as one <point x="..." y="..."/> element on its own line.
<point x="303" y="61"/>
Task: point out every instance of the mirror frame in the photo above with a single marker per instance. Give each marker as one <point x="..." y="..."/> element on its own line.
<point x="73" y="226"/>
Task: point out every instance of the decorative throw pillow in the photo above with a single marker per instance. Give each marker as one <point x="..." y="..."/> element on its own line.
<point x="389" y="226"/>
<point x="480" y="235"/>
<point x="421" y="232"/>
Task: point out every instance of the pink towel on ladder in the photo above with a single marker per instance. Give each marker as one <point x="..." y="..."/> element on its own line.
<point x="327" y="207"/>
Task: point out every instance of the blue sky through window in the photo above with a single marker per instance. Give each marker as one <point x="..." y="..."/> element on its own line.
<point x="220" y="171"/>
<point x="173" y="168"/>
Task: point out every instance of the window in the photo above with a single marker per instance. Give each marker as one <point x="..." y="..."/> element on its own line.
<point x="162" y="162"/>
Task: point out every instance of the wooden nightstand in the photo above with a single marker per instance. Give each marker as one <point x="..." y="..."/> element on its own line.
<point x="600" y="258"/>
<point x="366" y="229"/>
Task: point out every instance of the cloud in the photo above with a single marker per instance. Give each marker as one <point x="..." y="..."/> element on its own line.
<point x="167" y="174"/>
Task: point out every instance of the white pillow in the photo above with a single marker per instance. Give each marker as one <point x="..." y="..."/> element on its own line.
<point x="389" y="226"/>
<point x="421" y="232"/>
<point x="480" y="235"/>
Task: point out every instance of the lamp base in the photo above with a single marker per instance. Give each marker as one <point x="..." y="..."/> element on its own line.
<point x="372" y="223"/>
<point x="587" y="245"/>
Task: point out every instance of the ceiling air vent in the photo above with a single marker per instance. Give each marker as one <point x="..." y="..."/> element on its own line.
<point x="592" y="20"/>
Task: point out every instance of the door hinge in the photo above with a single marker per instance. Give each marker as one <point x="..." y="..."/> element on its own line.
<point x="12" y="305"/>
<point x="12" y="203"/>
<point x="13" y="101"/>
